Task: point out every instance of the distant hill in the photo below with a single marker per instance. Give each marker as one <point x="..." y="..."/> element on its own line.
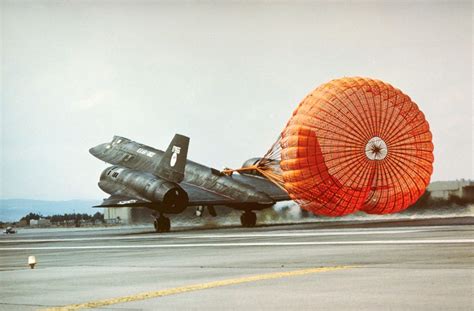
<point x="14" y="209"/>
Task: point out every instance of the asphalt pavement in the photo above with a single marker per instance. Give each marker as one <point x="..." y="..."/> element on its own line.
<point x="394" y="265"/>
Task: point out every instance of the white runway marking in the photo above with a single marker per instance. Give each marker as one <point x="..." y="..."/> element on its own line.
<point x="194" y="245"/>
<point x="217" y="236"/>
<point x="297" y="234"/>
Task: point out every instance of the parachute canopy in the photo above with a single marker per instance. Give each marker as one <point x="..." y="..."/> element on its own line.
<point x="353" y="144"/>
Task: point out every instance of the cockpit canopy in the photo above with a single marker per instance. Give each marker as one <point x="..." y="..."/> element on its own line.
<point x="117" y="140"/>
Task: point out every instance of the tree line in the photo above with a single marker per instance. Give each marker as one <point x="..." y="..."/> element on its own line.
<point x="76" y="217"/>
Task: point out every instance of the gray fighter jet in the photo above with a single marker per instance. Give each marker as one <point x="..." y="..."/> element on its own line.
<point x="167" y="182"/>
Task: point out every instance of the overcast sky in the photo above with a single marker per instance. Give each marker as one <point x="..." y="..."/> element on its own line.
<point x="74" y="73"/>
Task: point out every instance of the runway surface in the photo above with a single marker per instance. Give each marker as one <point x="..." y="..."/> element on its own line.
<point x="396" y="265"/>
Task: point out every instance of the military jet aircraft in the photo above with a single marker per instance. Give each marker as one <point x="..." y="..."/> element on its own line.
<point x="167" y="182"/>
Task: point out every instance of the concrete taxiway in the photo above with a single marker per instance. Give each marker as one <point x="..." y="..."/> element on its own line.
<point x="408" y="265"/>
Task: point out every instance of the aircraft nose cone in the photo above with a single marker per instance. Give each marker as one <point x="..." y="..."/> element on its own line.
<point x="97" y="150"/>
<point x="93" y="151"/>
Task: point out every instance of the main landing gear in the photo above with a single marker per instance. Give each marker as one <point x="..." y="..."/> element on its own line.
<point x="162" y="224"/>
<point x="248" y="219"/>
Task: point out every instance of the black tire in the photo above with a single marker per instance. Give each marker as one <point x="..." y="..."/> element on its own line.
<point x="243" y="220"/>
<point x="252" y="219"/>
<point x="162" y="224"/>
<point x="166" y="225"/>
<point x="248" y="219"/>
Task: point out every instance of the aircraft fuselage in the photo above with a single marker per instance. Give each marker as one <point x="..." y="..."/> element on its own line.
<point x="125" y="153"/>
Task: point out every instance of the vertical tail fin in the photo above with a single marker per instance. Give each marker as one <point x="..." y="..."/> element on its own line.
<point x="172" y="164"/>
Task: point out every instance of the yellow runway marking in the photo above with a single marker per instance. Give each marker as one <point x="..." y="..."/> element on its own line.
<point x="195" y="287"/>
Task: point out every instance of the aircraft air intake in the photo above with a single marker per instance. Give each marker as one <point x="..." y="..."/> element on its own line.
<point x="167" y="197"/>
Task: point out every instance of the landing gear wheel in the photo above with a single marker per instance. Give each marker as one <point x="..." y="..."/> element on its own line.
<point x="248" y="219"/>
<point x="162" y="224"/>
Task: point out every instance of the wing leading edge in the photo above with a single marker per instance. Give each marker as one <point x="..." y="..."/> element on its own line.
<point x="123" y="201"/>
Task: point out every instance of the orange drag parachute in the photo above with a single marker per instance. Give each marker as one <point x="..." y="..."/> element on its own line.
<point x="353" y="144"/>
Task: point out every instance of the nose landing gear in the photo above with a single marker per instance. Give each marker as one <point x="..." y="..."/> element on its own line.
<point x="248" y="219"/>
<point x="162" y="224"/>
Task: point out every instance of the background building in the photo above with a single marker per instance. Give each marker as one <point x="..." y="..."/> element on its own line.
<point x="128" y="215"/>
<point x="42" y="222"/>
<point x="462" y="189"/>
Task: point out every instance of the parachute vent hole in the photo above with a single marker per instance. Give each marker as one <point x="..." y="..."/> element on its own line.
<point x="376" y="149"/>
